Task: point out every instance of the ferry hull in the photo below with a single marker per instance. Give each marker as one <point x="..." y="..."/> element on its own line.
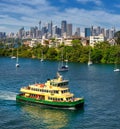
<point x="74" y="104"/>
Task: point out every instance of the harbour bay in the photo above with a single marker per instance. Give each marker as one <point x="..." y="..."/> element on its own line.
<point x="98" y="84"/>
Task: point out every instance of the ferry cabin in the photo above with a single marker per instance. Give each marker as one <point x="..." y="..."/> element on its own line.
<point x="52" y="90"/>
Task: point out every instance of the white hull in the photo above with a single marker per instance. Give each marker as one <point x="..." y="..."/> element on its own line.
<point x="13" y="57"/>
<point x="17" y="65"/>
<point x="41" y="60"/>
<point x="90" y="63"/>
<point x="116" y="70"/>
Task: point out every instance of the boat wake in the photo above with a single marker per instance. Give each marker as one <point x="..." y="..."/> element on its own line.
<point x="7" y="95"/>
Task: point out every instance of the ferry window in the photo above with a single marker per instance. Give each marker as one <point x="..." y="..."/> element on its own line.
<point x="56" y="91"/>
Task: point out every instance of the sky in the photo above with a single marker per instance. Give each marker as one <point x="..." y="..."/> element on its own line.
<point x="15" y="14"/>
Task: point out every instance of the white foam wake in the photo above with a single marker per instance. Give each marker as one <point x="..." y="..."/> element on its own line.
<point x="7" y="95"/>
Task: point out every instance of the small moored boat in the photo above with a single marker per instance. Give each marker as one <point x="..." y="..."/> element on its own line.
<point x="54" y="93"/>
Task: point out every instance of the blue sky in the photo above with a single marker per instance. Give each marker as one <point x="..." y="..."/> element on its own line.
<point x="15" y="14"/>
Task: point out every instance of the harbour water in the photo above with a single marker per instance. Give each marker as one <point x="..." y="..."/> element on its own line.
<point x="98" y="83"/>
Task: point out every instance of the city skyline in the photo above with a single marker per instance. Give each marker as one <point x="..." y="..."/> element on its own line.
<point x="81" y="13"/>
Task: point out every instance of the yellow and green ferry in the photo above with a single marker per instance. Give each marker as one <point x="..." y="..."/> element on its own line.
<point x="54" y="92"/>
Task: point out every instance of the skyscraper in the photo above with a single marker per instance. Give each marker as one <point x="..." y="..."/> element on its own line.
<point x="40" y="25"/>
<point x="78" y="31"/>
<point x="87" y="32"/>
<point x="63" y="27"/>
<point x="50" y="28"/>
<point x="21" y="32"/>
<point x="69" y="30"/>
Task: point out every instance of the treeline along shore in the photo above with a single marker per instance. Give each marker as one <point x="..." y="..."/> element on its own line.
<point x="102" y="52"/>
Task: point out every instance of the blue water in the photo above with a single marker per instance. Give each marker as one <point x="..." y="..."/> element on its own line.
<point x="98" y="84"/>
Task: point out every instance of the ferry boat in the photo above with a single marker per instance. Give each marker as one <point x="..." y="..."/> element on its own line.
<point x="54" y="92"/>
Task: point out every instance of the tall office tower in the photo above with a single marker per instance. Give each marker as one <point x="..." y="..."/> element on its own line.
<point x="91" y="30"/>
<point x="21" y="32"/>
<point x="44" y="30"/>
<point x="50" y="29"/>
<point x="36" y="32"/>
<point x="27" y="34"/>
<point x="69" y="30"/>
<point x="63" y="27"/>
<point x="32" y="32"/>
<point x="110" y="33"/>
<point x="107" y="34"/>
<point x="59" y="32"/>
<point x="40" y="25"/>
<point x="54" y="30"/>
<point x="98" y="30"/>
<point x="103" y="31"/>
<point x="95" y="31"/>
<point x="2" y="35"/>
<point x="78" y="31"/>
<point x="40" y="30"/>
<point x="87" y="32"/>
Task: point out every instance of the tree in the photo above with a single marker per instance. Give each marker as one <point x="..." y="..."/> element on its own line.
<point x="117" y="37"/>
<point x="76" y="43"/>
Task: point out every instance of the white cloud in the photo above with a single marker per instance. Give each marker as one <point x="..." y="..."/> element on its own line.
<point x="14" y="16"/>
<point x="85" y="18"/>
<point x="97" y="2"/>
